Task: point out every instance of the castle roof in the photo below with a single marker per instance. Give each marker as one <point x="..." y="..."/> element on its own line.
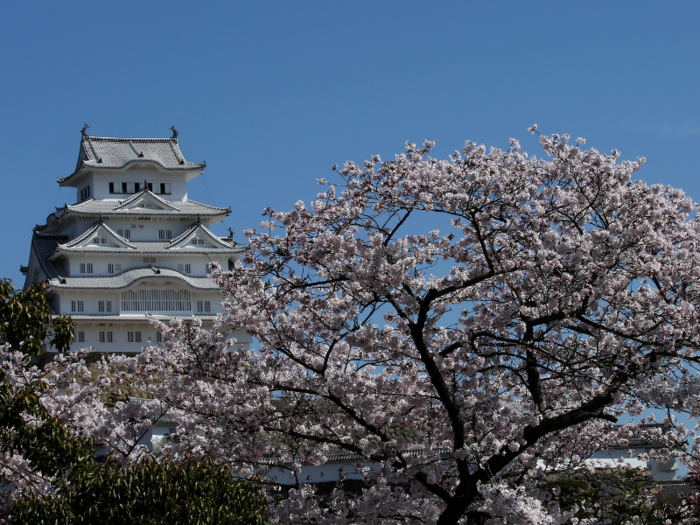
<point x="117" y="153"/>
<point x="121" y="245"/>
<point x="114" y="208"/>
<point x="129" y="277"/>
<point x="44" y="246"/>
<point x="143" y="203"/>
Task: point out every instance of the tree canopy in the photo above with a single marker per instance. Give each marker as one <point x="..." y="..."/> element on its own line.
<point x="456" y="329"/>
<point x="461" y="325"/>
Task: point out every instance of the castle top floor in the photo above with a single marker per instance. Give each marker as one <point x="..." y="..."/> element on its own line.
<point x="111" y="168"/>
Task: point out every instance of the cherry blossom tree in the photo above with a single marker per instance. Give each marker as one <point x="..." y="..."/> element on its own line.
<point x="460" y="326"/>
<point x="457" y="328"/>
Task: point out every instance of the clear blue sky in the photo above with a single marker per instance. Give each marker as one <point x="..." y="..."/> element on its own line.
<point x="271" y="94"/>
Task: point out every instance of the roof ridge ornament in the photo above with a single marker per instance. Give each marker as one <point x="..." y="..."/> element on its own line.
<point x="175" y="132"/>
<point x="84" y="130"/>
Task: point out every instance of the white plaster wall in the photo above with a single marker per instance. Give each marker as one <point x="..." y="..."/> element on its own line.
<point x="661" y="471"/>
<point x="120" y="343"/>
<point x="135" y="173"/>
<point x="199" y="263"/>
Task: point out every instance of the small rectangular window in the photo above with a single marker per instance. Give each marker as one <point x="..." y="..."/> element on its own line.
<point x="82" y="267"/>
<point x="162" y="188"/>
<point x="118" y="267"/>
<point x="103" y="240"/>
<point x="110" y="268"/>
<point x="81" y="306"/>
<point x="207" y="306"/>
<point x="125" y="187"/>
<point x="180" y="267"/>
<point x="149" y="259"/>
<point x="130" y="337"/>
<point x="102" y="337"/>
<point x="89" y="267"/>
<point x="73" y="306"/>
<point x="111" y="187"/>
<point x="137" y="336"/>
<point x="137" y="187"/>
<point x="81" y="337"/>
<point x="127" y="234"/>
<point x="110" y="338"/>
<point x="194" y="241"/>
<point x="150" y="186"/>
<point x="200" y="306"/>
<point x="100" y="306"/>
<point x="188" y="268"/>
<point x="159" y="337"/>
<point x="120" y="232"/>
<point x="109" y="306"/>
<point x="165" y="234"/>
<point x="96" y="240"/>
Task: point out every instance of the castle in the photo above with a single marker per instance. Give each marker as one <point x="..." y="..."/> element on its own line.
<point x="132" y="244"/>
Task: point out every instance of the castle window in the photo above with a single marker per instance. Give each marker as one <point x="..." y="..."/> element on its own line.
<point x="165" y="234"/>
<point x="204" y="306"/>
<point x="149" y="259"/>
<point x="118" y="267"/>
<point x="85" y="267"/>
<point x="130" y="337"/>
<point x="159" y="337"/>
<point x="127" y="234"/>
<point x="111" y="187"/>
<point x="137" y="187"/>
<point x="137" y="336"/>
<point x="125" y="187"/>
<point x="156" y="301"/>
<point x="77" y="306"/>
<point x="110" y="268"/>
<point x="165" y="188"/>
<point x="150" y="186"/>
<point x="110" y="337"/>
<point x="100" y="306"/>
<point x="109" y="306"/>
<point x="96" y="240"/>
<point x="81" y="337"/>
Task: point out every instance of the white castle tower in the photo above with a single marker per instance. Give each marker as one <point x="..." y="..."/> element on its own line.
<point x="132" y="244"/>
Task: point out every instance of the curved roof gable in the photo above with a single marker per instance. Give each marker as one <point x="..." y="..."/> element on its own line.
<point x="101" y="230"/>
<point x="117" y="153"/>
<point x="145" y="198"/>
<point x="129" y="278"/>
<point x="199" y="232"/>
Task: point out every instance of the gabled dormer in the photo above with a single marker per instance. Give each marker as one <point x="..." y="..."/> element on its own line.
<point x="145" y="199"/>
<point x="98" y="237"/>
<point x="198" y="236"/>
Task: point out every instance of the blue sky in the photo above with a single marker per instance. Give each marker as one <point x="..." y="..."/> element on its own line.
<point x="272" y="94"/>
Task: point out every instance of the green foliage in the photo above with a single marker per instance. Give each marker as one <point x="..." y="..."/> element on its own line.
<point x="637" y="503"/>
<point x="149" y="492"/>
<point x="25" y="320"/>
<point x="28" y="430"/>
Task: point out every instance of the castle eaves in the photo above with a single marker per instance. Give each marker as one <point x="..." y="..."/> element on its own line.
<point x="117" y="153"/>
<point x="129" y="277"/>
